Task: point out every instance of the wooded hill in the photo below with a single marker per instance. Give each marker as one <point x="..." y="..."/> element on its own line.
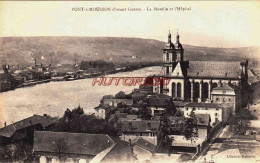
<point x="64" y="50"/>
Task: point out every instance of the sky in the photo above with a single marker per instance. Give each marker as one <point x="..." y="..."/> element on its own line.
<point x="212" y="24"/>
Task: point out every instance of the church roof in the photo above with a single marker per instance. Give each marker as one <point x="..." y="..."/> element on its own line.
<point x="217" y="69"/>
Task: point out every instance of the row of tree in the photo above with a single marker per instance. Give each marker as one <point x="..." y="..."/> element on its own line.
<point x="98" y="64"/>
<point x="78" y="122"/>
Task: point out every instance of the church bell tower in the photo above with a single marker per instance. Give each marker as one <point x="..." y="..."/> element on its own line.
<point x="172" y="53"/>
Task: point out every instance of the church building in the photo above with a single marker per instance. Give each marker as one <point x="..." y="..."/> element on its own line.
<point x="194" y="81"/>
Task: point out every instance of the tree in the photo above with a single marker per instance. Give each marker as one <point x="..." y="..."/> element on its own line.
<point x="170" y="108"/>
<point x="77" y="111"/>
<point x="82" y="123"/>
<point x="120" y="95"/>
<point x="144" y="112"/>
<point x="67" y="114"/>
<point x="179" y="113"/>
<point x="17" y="151"/>
<point x="166" y="129"/>
<point x="241" y="121"/>
<point x="190" y="130"/>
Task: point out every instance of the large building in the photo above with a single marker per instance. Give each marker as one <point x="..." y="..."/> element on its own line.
<point x="194" y="80"/>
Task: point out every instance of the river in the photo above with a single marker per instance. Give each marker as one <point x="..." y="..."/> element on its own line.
<point x="54" y="98"/>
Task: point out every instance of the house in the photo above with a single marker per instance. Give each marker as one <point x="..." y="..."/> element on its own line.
<point x="180" y="144"/>
<point x="179" y="105"/>
<point x="79" y="147"/>
<point x="158" y="104"/>
<point x="143" y="149"/>
<point x="23" y="130"/>
<point x="7" y="81"/>
<point x="138" y="95"/>
<point x="254" y="128"/>
<point x="115" y="102"/>
<point x="118" y="116"/>
<point x="226" y="96"/>
<point x="101" y="111"/>
<point x="217" y="112"/>
<point x="63" y="146"/>
<point x="203" y="125"/>
<point x="120" y="151"/>
<point x="177" y="124"/>
<point x="123" y="117"/>
<point x="147" y="129"/>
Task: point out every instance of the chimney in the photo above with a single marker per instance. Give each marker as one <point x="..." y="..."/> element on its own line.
<point x="31" y="123"/>
<point x="5" y="124"/>
<point x="130" y="142"/>
<point x="131" y="146"/>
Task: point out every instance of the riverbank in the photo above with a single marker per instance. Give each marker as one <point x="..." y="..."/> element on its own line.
<point x="54" y="98"/>
<point x="32" y="83"/>
<point x="58" y="79"/>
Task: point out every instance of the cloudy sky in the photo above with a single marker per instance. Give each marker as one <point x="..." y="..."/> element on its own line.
<point x="213" y="24"/>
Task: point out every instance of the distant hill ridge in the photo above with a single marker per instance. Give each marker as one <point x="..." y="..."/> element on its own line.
<point x="68" y="49"/>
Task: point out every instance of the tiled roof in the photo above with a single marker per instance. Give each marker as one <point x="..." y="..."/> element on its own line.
<point x="160" y="96"/>
<point x="125" y="101"/>
<point x="145" y="144"/>
<point x="214" y="69"/>
<point x="101" y="107"/>
<point x="179" y="103"/>
<point x="74" y="143"/>
<point x="177" y="120"/>
<point x="203" y="119"/>
<point x="224" y="87"/>
<point x="9" y="130"/>
<point x="140" y="126"/>
<point x="121" y="152"/>
<point x="140" y="95"/>
<point x="118" y="115"/>
<point x="206" y="105"/>
<point x="158" y="100"/>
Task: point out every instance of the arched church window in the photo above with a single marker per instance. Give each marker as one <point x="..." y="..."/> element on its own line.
<point x="167" y="70"/>
<point x="205" y="90"/>
<point x="179" y="90"/>
<point x="173" y="90"/>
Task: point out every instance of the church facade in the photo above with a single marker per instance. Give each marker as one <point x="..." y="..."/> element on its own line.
<point x="194" y="80"/>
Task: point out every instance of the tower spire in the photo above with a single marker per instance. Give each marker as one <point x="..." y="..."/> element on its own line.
<point x="177" y="36"/>
<point x="169" y="37"/>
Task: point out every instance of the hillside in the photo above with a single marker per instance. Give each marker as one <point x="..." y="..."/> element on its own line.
<point x="60" y="50"/>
